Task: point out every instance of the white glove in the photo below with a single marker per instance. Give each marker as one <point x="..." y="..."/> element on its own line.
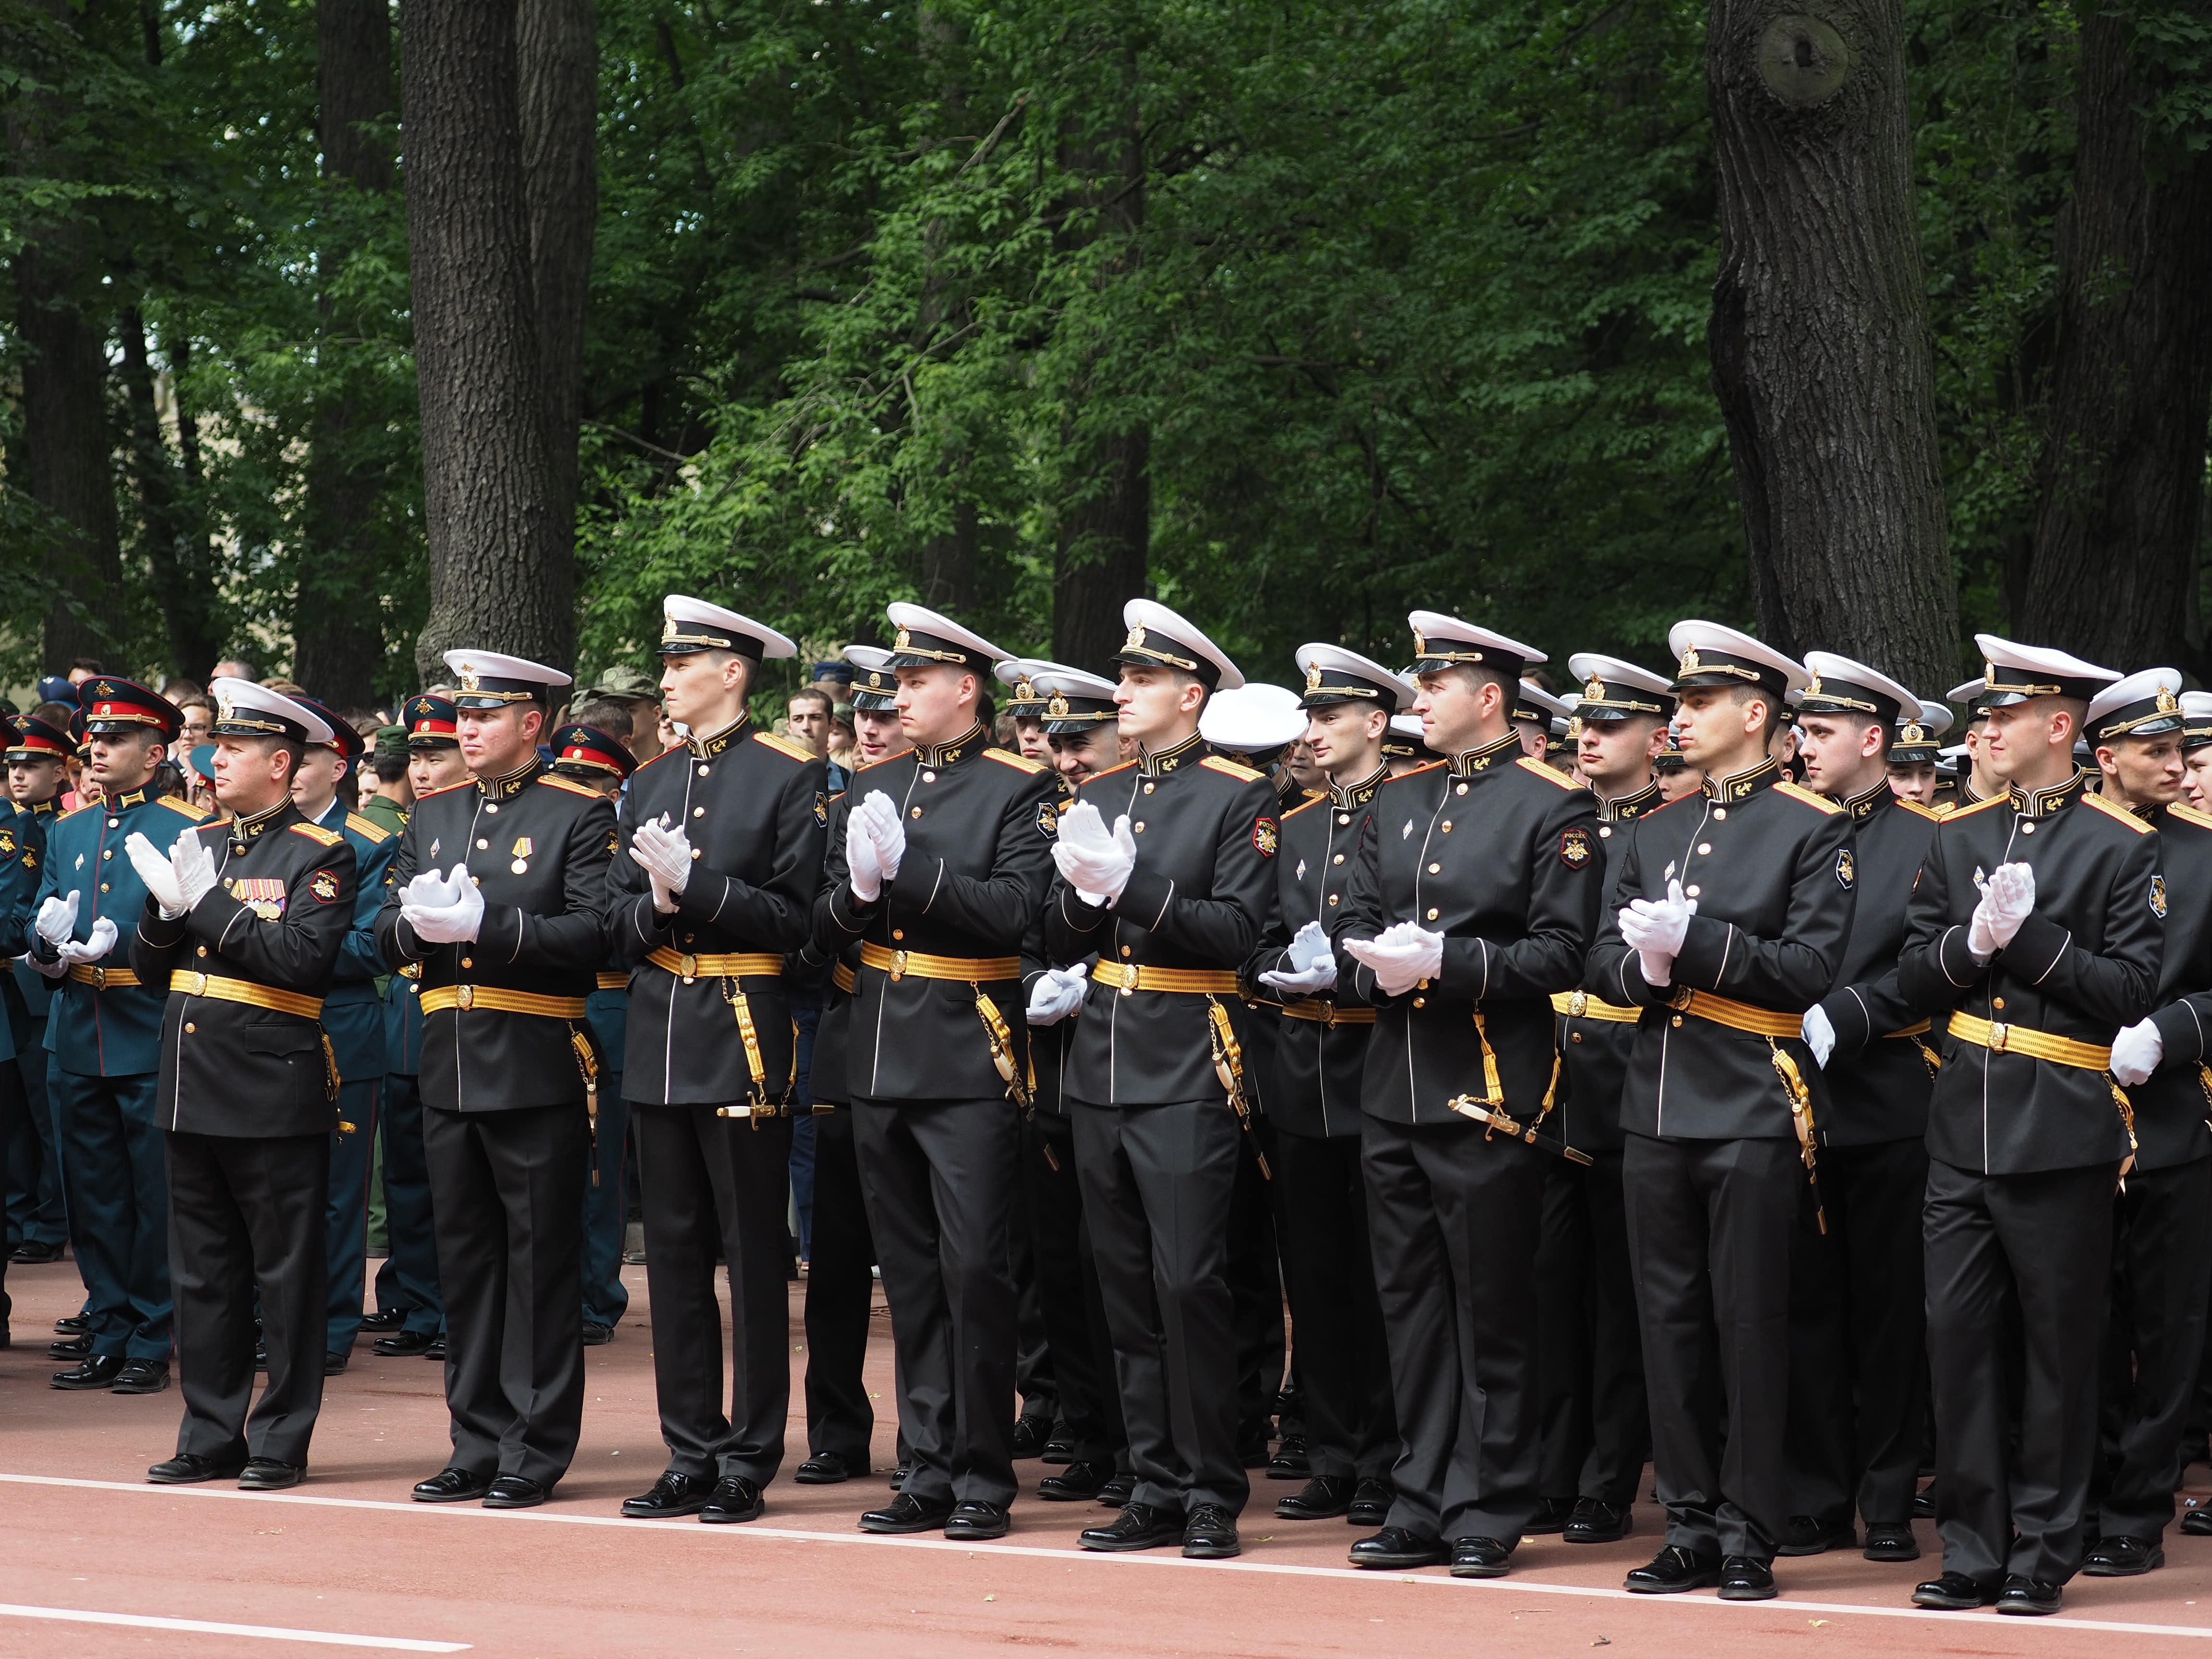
<point x="2007" y="900"/>
<point x="1402" y="956"/>
<point x="1655" y="930"/>
<point x="664" y="855"/>
<point x="1097" y="865"/>
<point x="153" y="868"/>
<point x="2137" y="1052"/>
<point x="1058" y="992"/>
<point x="1819" y="1035"/>
<point x="193" y="866"/>
<point x="1312" y="964"/>
<point x="456" y="923"/>
<point x="427" y="892"/>
<point x="57" y="920"/>
<point x="101" y="942"/>
<point x="885" y="830"/>
<point x="862" y="866"/>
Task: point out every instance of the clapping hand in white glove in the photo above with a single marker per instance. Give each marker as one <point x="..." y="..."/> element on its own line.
<point x="1096" y="863"/>
<point x="427" y="890"/>
<point x="192" y="866"/>
<point x="58" y="919"/>
<point x="152" y="867"/>
<point x="2137" y="1052"/>
<point x="1058" y="992"/>
<point x="881" y="816"/>
<point x="862" y="867"/>
<point x="101" y="942"/>
<point x="2007" y="899"/>
<point x="1819" y="1035"/>
<point x="453" y="923"/>
<point x="1402" y="955"/>
<point x="1655" y="930"/>
<point x="1312" y="966"/>
<point x="664" y="855"/>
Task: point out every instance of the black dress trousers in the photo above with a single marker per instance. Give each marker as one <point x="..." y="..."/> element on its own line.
<point x="840" y="1290"/>
<point x="2162" y="1275"/>
<point x="246" y="1214"/>
<point x="1343" y="1351"/>
<point x="717" y="1185"/>
<point x="2010" y="1493"/>
<point x="1255" y="1290"/>
<point x="509" y="1188"/>
<point x="1068" y="1295"/>
<point x="1596" y="1426"/>
<point x="941" y="1178"/>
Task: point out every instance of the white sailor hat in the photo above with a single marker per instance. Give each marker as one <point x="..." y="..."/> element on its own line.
<point x="2195" y="719"/>
<point x="1258" y="722"/>
<point x="2013" y="673"/>
<point x="1019" y="674"/>
<point x="928" y="637"/>
<point x="1841" y="686"/>
<point x="2146" y="704"/>
<point x="1972" y="694"/>
<point x="689" y="625"/>
<point x="1070" y="701"/>
<point x="1442" y="641"/>
<point x="1536" y="706"/>
<point x="1917" y="734"/>
<point x="1707" y="654"/>
<point x="488" y="679"/>
<point x="245" y="709"/>
<point x="874" y="685"/>
<point x="1614" y="689"/>
<point x="1159" y="638"/>
<point x="1336" y="675"/>
<point x="1407" y="740"/>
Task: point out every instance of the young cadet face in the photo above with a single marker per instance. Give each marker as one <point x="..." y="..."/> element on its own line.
<point x="2031" y="743"/>
<point x="316" y="783"/>
<point x="1156" y="705"/>
<point x="1719" y="732"/>
<point x="937" y="703"/>
<point x="497" y="741"/>
<point x="1616" y="756"/>
<point x="1915" y="780"/>
<point x="2145" y="771"/>
<point x="1080" y="755"/>
<point x="877" y="734"/>
<point x="1345" y="739"/>
<point x="705" y="690"/>
<point x="123" y="761"/>
<point x="2196" y="776"/>
<point x="1459" y="712"/>
<point x="1029" y="739"/>
<point x="436" y="768"/>
<point x="30" y="781"/>
<point x="1836" y="749"/>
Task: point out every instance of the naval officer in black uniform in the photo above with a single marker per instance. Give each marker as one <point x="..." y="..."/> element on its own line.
<point x="1171" y="898"/>
<point x="2036" y="934"/>
<point x="723" y="837"/>
<point x="1596" y="1426"/>
<point x="242" y="925"/>
<point x="1313" y="1099"/>
<point x="939" y="861"/>
<point x="1473" y="895"/>
<point x="500" y="892"/>
<point x="1727" y="922"/>
<point x="1858" y="1365"/>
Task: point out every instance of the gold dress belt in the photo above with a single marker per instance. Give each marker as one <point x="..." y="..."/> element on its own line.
<point x="2003" y="1039"/>
<point x="842" y="977"/>
<point x="1128" y="976"/>
<point x="613" y="980"/>
<point x="1327" y="1014"/>
<point x="741" y="964"/>
<point x="1738" y="1016"/>
<point x="100" y="979"/>
<point x="440" y="997"/>
<point x="218" y="989"/>
<point x="915" y="965"/>
<point x="1581" y="1004"/>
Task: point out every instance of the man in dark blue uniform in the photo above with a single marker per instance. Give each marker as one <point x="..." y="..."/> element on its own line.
<point x="38" y="1221"/>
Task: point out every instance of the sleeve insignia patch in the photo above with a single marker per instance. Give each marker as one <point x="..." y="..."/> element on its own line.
<point x="1048" y="819"/>
<point x="2158" y="896"/>
<point x="1575" y="849"/>
<point x="614" y="842"/>
<point x="7" y="843"/>
<point x="822" y="808"/>
<point x="323" y="884"/>
<point x="1847" y="868"/>
<point x="1267" y="836"/>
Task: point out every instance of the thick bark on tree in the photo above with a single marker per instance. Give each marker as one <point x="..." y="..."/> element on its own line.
<point x="500" y="574"/>
<point x="946" y="572"/>
<point x="176" y="553"/>
<point x="559" y="53"/>
<point x="1818" y="334"/>
<point x="337" y="637"/>
<point x="2120" y="497"/>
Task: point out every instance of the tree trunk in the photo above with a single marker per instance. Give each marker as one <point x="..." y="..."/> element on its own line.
<point x="1105" y="525"/>
<point x="501" y="577"/>
<point x="2120" y="482"/>
<point x="1819" y="334"/>
<point x="560" y="69"/>
<point x="183" y="586"/>
<point x="337" y="636"/>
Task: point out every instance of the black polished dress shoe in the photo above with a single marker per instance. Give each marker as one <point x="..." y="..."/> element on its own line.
<point x="1398" y="1546"/>
<point x="269" y="1474"/>
<point x="1673" y="1570"/>
<point x="74" y="1325"/>
<point x="334" y="1364"/>
<point x="1551" y="1516"/>
<point x="2122" y="1557"/>
<point x="437" y="1349"/>
<point x="1057" y="1453"/>
<point x="451" y="1485"/>
<point x="141" y="1376"/>
<point x="1139" y="1526"/>
<point x="597" y="1335"/>
<point x="32" y="1254"/>
<point x="1924" y="1502"/>
<point x="1596" y="1521"/>
<point x="1479" y="1558"/>
<point x="973" y="1522"/>
<point x="402" y="1344"/>
<point x="674" y="1496"/>
<point x="1030" y="1434"/>
<point x="734" y="1499"/>
<point x="97" y="1371"/>
<point x="1117" y="1492"/>
<point x="70" y="1347"/>
<point x="907" y="1513"/>
<point x="902" y="1468"/>
<point x="384" y="1319"/>
<point x="2033" y="1598"/>
<point x="1891" y="1541"/>
<point x="1746" y="1578"/>
<point x="1291" y="1461"/>
<point x="1321" y="1498"/>
<point x="2197" y="1523"/>
<point x="1209" y="1533"/>
<point x="1370" y="1504"/>
<point x="824" y="1468"/>
<point x="1075" y="1483"/>
<point x="1807" y="1535"/>
<point x="1953" y="1592"/>
<point x="189" y="1468"/>
<point x="515" y="1491"/>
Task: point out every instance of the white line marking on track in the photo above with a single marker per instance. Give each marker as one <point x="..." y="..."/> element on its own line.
<point x="210" y="1627"/>
<point x="1281" y="1568"/>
